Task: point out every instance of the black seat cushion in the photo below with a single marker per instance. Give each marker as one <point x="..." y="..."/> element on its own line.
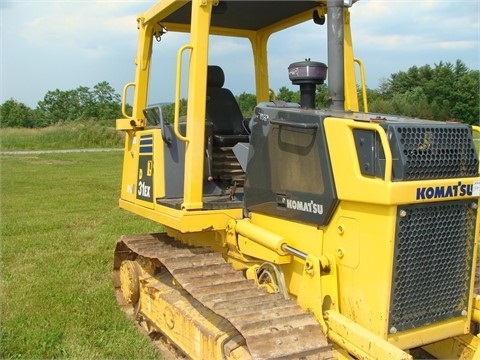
<point x="222" y="109"/>
<point x="229" y="140"/>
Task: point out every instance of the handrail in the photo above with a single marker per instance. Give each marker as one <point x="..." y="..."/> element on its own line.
<point x="124" y="99"/>
<point x="271" y="94"/>
<point x="178" y="80"/>
<point x="364" y="87"/>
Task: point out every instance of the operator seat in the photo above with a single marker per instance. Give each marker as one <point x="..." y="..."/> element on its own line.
<point x="222" y="111"/>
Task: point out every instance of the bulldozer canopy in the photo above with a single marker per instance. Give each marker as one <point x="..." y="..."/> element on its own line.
<point x="235" y="17"/>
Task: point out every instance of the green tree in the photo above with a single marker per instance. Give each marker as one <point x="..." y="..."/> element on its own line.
<point x="85" y="102"/>
<point x="466" y="98"/>
<point x="247" y="103"/>
<point x="321" y="96"/>
<point x="66" y="106"/>
<point x="288" y="95"/>
<point x="168" y="110"/>
<point x="443" y="92"/>
<point x="82" y="103"/>
<point x="16" y="114"/>
<point x="107" y="102"/>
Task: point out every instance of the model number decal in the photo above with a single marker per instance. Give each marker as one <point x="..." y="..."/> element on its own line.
<point x="262" y="117"/>
<point x="143" y="189"/>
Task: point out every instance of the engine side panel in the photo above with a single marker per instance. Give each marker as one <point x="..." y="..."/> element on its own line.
<point x="289" y="173"/>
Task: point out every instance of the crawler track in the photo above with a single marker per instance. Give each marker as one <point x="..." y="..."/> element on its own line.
<point x="272" y="327"/>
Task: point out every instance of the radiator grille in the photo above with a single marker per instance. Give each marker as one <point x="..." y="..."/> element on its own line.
<point x="433" y="152"/>
<point x="432" y="263"/>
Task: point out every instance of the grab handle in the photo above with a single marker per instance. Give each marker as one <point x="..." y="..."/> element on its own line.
<point x="178" y="79"/>
<point x="295" y="124"/>
<point x="364" y="85"/>
<point x="124" y="99"/>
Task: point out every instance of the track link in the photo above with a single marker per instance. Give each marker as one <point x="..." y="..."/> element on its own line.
<point x="273" y="328"/>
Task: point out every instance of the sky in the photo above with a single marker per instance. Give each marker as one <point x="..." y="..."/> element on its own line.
<point x="60" y="44"/>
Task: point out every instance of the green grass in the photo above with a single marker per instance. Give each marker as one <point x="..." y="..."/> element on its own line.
<point x="87" y="134"/>
<point x="59" y="223"/>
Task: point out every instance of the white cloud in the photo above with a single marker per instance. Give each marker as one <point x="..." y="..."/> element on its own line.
<point x="455" y="45"/>
<point x="391" y="36"/>
<point x="220" y="45"/>
<point x="66" y="44"/>
<point x="87" y="28"/>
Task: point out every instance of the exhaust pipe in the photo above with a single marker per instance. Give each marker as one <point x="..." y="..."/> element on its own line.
<point x="336" y="81"/>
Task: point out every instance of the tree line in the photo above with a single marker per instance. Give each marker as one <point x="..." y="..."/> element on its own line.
<point x="443" y="92"/>
<point x="60" y="106"/>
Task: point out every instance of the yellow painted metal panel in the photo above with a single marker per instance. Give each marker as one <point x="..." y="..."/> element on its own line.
<point x="142" y="62"/>
<point x="460" y="347"/>
<point x="259" y="47"/>
<point x="361" y="238"/>
<point x="197" y="92"/>
<point x="303" y="237"/>
<point x="184" y="221"/>
<point x="351" y="97"/>
<point x="348" y="177"/>
<point x="162" y="9"/>
<point x="360" y="341"/>
<point x="429" y="334"/>
<point x="130" y="167"/>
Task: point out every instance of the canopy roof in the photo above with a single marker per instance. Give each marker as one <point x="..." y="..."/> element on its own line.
<point x="235" y="17"/>
<point x="247" y="15"/>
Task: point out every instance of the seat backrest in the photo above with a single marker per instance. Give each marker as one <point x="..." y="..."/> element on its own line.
<point x="222" y="108"/>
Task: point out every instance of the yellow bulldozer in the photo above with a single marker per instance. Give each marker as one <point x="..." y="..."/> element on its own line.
<point x="298" y="233"/>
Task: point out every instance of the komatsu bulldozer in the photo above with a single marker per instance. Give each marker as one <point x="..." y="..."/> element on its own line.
<point x="300" y="232"/>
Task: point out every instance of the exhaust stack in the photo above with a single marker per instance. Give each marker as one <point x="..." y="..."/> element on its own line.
<point x="335" y="29"/>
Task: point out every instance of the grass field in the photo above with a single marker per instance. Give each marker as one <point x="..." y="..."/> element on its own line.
<point x="59" y="220"/>
<point x="87" y="134"/>
<point x="59" y="223"/>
